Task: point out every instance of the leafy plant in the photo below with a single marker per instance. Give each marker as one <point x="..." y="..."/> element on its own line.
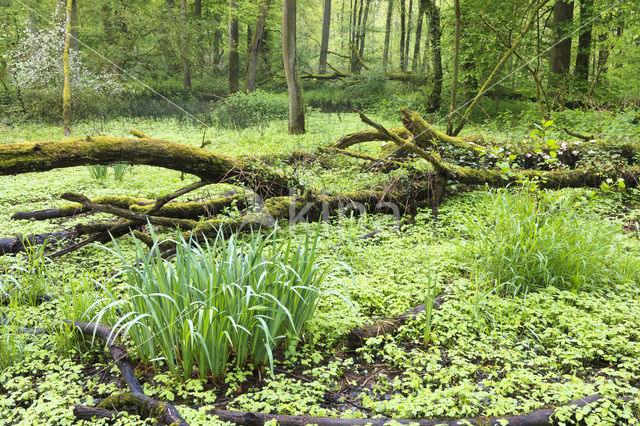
<point x="217" y="300"/>
<point x="251" y="109"/>
<point x="119" y="170"/>
<point x="530" y="240"/>
<point x="429" y="301"/>
<point x="98" y="171"/>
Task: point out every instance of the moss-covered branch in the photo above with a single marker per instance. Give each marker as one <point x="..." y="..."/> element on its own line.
<point x="25" y="157"/>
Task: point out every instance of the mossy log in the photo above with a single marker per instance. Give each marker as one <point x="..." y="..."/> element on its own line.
<point x="25" y="157"/>
<point x="367" y="136"/>
<point x="540" y="417"/>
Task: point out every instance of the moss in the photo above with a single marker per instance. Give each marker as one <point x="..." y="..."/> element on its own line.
<point x="119" y="400"/>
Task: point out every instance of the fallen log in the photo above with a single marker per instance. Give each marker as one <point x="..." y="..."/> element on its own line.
<point x="15" y="245"/>
<point x="541" y="417"/>
<point x="358" y="336"/>
<point x="26" y="157"/>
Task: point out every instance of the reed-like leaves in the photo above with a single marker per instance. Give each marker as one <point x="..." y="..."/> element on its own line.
<point x="217" y="300"/>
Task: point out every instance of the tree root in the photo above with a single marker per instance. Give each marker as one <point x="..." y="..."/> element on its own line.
<point x="540" y="417"/>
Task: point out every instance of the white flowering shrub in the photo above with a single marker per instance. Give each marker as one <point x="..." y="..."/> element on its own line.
<point x="36" y="69"/>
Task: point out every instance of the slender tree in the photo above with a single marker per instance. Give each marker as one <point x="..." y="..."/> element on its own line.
<point x="234" y="56"/>
<point x="66" y="91"/>
<point x="387" y="36"/>
<point x="289" y="56"/>
<point x="403" y="18"/>
<point x="584" y="41"/>
<point x="184" y="45"/>
<point x="324" y="44"/>
<point x="435" y="34"/>
<point x="255" y="44"/>
<point x="456" y="60"/>
<point x="407" y="40"/>
<point x="415" y="61"/>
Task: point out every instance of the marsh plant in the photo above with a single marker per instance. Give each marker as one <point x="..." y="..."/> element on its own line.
<point x="526" y="241"/>
<point x="223" y="299"/>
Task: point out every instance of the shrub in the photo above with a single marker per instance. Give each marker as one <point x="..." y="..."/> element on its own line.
<point x="250" y="109"/>
<point x="527" y="241"/>
<point x="217" y="300"/>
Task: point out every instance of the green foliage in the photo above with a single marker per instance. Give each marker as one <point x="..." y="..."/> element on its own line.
<point x="218" y="299"/>
<point x="98" y="171"/>
<point x="527" y="241"/>
<point x="251" y="109"/>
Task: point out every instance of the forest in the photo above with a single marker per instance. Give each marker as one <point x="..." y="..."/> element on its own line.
<point x="320" y="212"/>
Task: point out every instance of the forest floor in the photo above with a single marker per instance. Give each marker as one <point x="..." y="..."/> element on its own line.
<point x="487" y="354"/>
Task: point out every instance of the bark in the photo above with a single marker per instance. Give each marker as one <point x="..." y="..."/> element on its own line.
<point x="197" y="8"/>
<point x="164" y="412"/>
<point x="541" y="417"/>
<point x="66" y="92"/>
<point x="407" y="41"/>
<point x="14" y="245"/>
<point x="324" y="44"/>
<point x="456" y="58"/>
<point x="358" y="336"/>
<point x="255" y="44"/>
<point x="289" y="55"/>
<point x="584" y="41"/>
<point x="416" y="49"/>
<point x="435" y="34"/>
<point x="560" y="58"/>
<point x="234" y="56"/>
<point x="387" y="36"/>
<point x="25" y="157"/>
<point x="366" y="136"/>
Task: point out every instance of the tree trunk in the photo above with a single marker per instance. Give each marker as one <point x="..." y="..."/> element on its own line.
<point x="255" y="44"/>
<point x="433" y="13"/>
<point x="289" y="56"/>
<point x="584" y="41"/>
<point x="561" y="49"/>
<point x="454" y="77"/>
<point x="324" y="45"/>
<point x="387" y="37"/>
<point x="403" y="24"/>
<point x="197" y="8"/>
<point x="407" y="40"/>
<point x="66" y="92"/>
<point x="234" y="56"/>
<point x="415" y="61"/>
<point x="184" y="42"/>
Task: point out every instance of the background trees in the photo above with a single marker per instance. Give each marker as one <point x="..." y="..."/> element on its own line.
<point x="194" y="51"/>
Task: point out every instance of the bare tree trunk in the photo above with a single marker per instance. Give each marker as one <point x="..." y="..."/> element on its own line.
<point x="184" y="42"/>
<point x="407" y="41"/>
<point x="387" y="37"/>
<point x="561" y="50"/>
<point x="433" y="13"/>
<point x="416" y="50"/>
<point x="403" y="18"/>
<point x="234" y="56"/>
<point x="255" y="44"/>
<point x="66" y="92"/>
<point x="584" y="41"/>
<point x="324" y="45"/>
<point x="289" y="56"/>
<point x="456" y="59"/>
<point x="197" y="8"/>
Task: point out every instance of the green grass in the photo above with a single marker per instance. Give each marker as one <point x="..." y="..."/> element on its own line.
<point x="526" y="241"/>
